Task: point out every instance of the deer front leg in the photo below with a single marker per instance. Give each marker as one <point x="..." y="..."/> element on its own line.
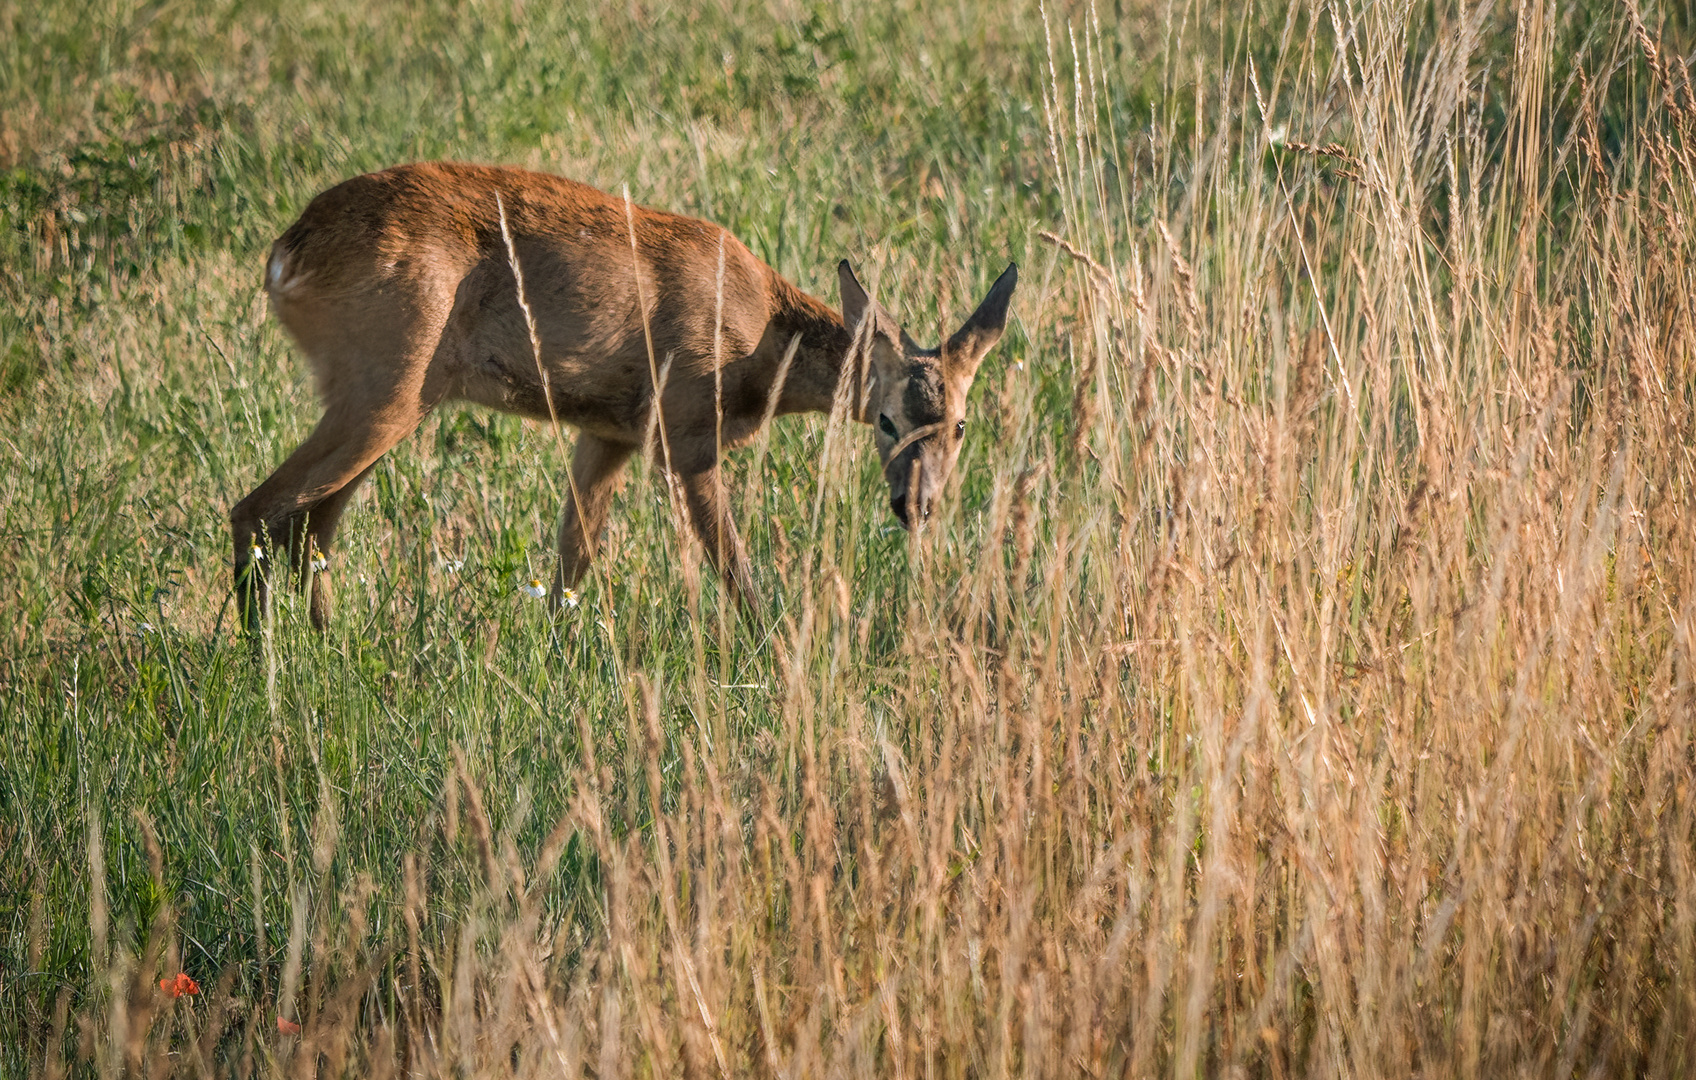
<point x="597" y="470"/>
<point x="710" y="516"/>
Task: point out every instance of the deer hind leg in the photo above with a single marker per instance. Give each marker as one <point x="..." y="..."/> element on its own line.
<point x="709" y="513"/>
<point x="597" y="471"/>
<point x="290" y="519"/>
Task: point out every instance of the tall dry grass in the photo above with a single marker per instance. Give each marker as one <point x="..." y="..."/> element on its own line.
<point x="1312" y="695"/>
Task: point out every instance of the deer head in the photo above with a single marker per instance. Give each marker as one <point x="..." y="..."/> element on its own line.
<point x="917" y="396"/>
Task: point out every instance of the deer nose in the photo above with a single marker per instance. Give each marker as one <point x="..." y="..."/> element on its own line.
<point x="910" y="514"/>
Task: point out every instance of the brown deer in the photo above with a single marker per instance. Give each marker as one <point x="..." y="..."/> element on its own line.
<point x="540" y="296"/>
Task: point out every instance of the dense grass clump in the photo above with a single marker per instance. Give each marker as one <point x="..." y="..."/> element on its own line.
<point x="1300" y="678"/>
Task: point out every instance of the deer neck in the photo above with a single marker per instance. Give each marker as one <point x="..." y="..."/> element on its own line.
<point x="821" y="354"/>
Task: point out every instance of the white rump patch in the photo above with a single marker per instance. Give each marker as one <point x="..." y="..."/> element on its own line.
<point x="277" y="278"/>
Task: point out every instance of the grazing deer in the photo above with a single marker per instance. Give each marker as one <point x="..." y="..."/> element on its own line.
<point x="540" y="296"/>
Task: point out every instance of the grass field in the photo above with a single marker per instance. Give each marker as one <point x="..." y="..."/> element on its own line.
<point x="1300" y="679"/>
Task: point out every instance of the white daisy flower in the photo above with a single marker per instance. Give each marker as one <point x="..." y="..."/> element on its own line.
<point x="533" y="589"/>
<point x="256" y="553"/>
<point x="570" y="597"/>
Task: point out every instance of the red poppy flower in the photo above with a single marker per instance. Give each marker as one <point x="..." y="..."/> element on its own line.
<point x="287" y="1027"/>
<point x="180" y="985"/>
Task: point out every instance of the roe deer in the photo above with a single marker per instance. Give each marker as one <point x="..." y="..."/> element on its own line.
<point x="541" y="296"/>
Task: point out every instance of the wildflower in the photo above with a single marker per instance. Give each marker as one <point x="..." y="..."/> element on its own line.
<point x="256" y="553"/>
<point x="180" y="985"/>
<point x="570" y="597"/>
<point x="533" y="589"/>
<point x="453" y="566"/>
<point x="319" y="563"/>
<point x="287" y="1027"/>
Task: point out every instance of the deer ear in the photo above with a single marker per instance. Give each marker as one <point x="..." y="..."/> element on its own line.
<point x="855" y="302"/>
<point x="981" y="331"/>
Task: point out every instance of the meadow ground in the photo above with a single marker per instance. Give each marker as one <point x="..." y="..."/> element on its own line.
<point x="1299" y="679"/>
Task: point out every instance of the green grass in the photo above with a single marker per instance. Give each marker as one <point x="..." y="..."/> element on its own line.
<point x="1299" y="678"/>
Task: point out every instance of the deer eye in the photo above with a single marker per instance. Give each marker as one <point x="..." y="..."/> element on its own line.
<point x="960" y="430"/>
<point x="886" y="424"/>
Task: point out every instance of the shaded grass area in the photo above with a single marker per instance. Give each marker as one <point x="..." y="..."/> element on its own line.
<point x="1299" y="678"/>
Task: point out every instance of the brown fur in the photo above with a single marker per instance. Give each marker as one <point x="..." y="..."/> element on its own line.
<point x="400" y="289"/>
